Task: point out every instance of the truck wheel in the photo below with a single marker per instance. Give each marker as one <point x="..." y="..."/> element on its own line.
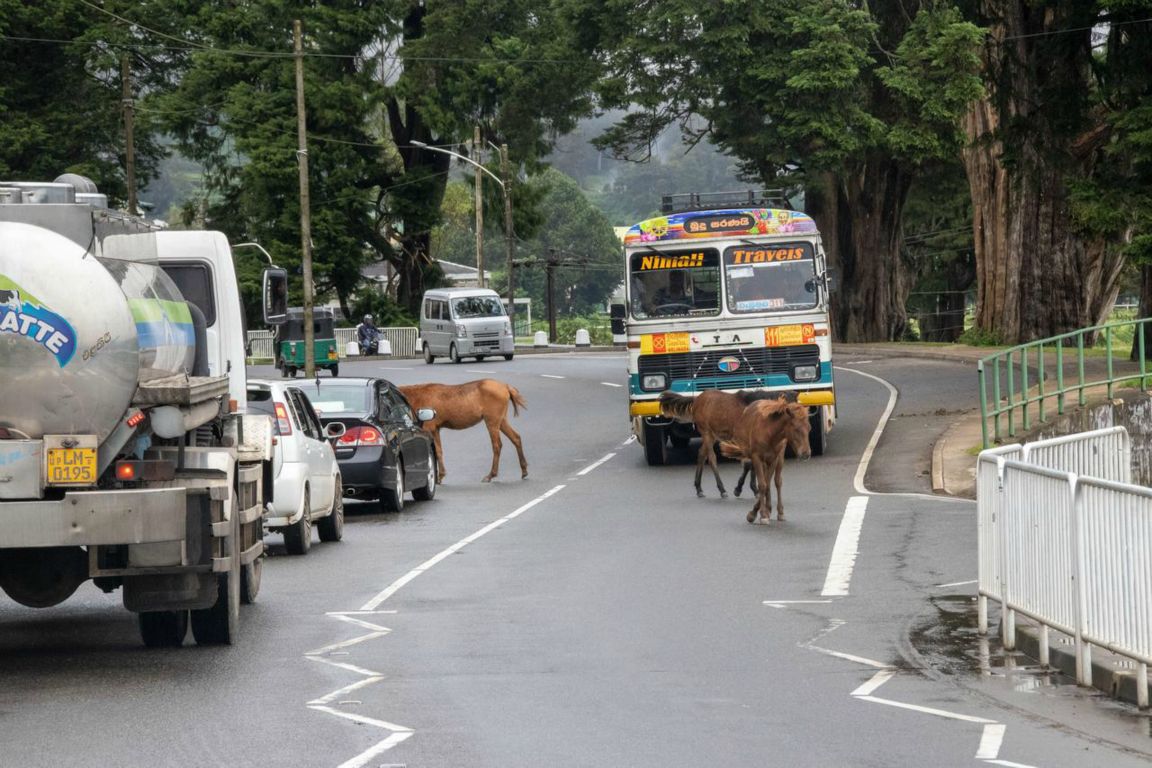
<point x="817" y="436"/>
<point x="655" y="446"/>
<point x="250" y="576"/>
<point x="331" y="528"/>
<point x="163" y="629"/>
<point x="298" y="537"/>
<point x="453" y="355"/>
<point x="428" y="356"/>
<point x="291" y="369"/>
<point x="220" y="624"/>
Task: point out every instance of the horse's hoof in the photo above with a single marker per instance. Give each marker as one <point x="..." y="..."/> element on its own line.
<point x="737" y="492"/>
<point x="487" y="479"/>
<point x="723" y="495"/>
<point x="699" y="494"/>
<point x="751" y="517"/>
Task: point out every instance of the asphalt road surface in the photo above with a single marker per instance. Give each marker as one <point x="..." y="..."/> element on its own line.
<point x="595" y="614"/>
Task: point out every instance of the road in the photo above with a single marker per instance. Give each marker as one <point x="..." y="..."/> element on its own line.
<point x="596" y="613"/>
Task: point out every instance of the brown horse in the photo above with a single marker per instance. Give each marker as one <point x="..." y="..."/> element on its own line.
<point x="765" y="429"/>
<point x="715" y="414"/>
<point x="460" y="406"/>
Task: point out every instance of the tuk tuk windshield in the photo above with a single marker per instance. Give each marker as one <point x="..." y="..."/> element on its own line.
<point x="477" y="306"/>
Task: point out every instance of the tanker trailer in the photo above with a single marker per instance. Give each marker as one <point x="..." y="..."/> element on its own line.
<point x="126" y="456"/>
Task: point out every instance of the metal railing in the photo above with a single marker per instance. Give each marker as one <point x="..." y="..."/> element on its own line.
<point x="1070" y="551"/>
<point x="1040" y="372"/>
<point x="403" y="340"/>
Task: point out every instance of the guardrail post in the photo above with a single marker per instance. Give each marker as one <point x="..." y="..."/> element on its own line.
<point x="1083" y="648"/>
<point x="996" y="396"/>
<point x="1024" y="386"/>
<point x="1040" y="374"/>
<point x="983" y="403"/>
<point x="1143" y="364"/>
<point x="1011" y="395"/>
<point x="1060" y="379"/>
<point x="1108" y="352"/>
<point x="1080" y="360"/>
<point x="1007" y="614"/>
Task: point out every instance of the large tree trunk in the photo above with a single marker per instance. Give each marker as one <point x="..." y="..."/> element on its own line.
<point x="860" y="216"/>
<point x="1037" y="275"/>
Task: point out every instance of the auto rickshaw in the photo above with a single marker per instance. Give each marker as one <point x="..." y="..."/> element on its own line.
<point x="289" y="341"/>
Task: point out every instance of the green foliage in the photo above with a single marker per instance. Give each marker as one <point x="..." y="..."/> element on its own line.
<point x="384" y="310"/>
<point x="598" y="327"/>
<point x="977" y="337"/>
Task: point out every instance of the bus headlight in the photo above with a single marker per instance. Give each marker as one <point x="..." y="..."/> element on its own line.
<point x="805" y="373"/>
<point x="653" y="381"/>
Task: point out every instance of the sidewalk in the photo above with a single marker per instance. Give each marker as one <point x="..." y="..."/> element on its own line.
<point x="954" y="473"/>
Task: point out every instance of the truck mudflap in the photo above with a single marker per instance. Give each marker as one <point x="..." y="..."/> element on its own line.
<point x="87" y="518"/>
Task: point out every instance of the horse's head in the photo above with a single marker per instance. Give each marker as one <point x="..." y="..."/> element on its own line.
<point x="796" y="429"/>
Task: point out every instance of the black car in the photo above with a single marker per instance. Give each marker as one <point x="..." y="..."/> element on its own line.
<point x="383" y="452"/>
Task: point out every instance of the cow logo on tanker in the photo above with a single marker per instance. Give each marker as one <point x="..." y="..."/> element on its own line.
<point x="22" y="314"/>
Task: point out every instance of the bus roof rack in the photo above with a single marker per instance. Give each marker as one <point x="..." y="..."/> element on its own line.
<point x="703" y="201"/>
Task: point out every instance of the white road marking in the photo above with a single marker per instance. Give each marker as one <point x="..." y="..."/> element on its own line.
<point x="361" y="719"/>
<point x="593" y="465"/>
<point x="956" y="584"/>
<point x="631" y="439"/>
<point x="611" y="384"/>
<point x="552" y="376"/>
<point x="877" y="680"/>
<point x="348" y="643"/>
<point x="329" y="698"/>
<point x="340" y="665"/>
<point x="860" y="362"/>
<point x="362" y="759"/>
<point x="846" y="547"/>
<point x="359" y="622"/>
<point x="479" y="370"/>
<point x="990" y="741"/>
<point x="395" y="586"/>
<point x="926" y="710"/>
<point x="782" y="603"/>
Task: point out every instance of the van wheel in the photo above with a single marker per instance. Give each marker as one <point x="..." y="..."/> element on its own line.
<point x="453" y="355"/>
<point x="479" y="358"/>
<point x="291" y="371"/>
<point x="508" y="358"/>
<point x="428" y="356"/>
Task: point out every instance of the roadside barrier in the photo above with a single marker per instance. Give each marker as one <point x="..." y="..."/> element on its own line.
<point x="403" y="341"/>
<point x="1066" y="540"/>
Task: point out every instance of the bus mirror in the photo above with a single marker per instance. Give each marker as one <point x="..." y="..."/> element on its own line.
<point x="830" y="282"/>
<point x="617" y="313"/>
<point x="275" y="296"/>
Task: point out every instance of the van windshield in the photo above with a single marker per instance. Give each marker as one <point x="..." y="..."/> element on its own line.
<point x="478" y="306"/>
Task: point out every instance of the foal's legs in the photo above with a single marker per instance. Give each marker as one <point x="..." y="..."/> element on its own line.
<point x="779" y="482"/>
<point x="708" y="454"/>
<point x="745" y="470"/>
<point x="763" y="495"/>
<point x="441" y="470"/>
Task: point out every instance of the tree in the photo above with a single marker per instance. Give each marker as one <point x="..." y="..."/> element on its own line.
<point x="576" y="234"/>
<point x="1058" y="161"/>
<point x="61" y="97"/>
<point x="847" y="102"/>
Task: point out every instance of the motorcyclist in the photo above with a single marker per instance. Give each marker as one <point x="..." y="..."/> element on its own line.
<point x="368" y="335"/>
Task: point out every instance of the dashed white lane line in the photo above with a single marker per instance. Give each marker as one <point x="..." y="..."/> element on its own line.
<point x="552" y="376"/>
<point x="844" y="552"/>
<point x="990" y="741"/>
<point x="395" y="586"/>
<point x="611" y="384"/>
<point x="594" y="464"/>
<point x="479" y="370"/>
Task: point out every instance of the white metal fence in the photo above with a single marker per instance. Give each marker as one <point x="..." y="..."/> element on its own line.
<point x="403" y="340"/>
<point x="1066" y="540"/>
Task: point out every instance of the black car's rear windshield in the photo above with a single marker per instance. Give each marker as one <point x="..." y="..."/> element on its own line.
<point x="339" y="399"/>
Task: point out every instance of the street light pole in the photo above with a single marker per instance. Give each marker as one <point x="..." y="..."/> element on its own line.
<point x="505" y="185"/>
<point x="479" y="212"/>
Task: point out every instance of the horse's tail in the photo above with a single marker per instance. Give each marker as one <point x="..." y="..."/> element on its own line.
<point x="678" y="407"/>
<point x="516" y="399"/>
<point x="732" y="450"/>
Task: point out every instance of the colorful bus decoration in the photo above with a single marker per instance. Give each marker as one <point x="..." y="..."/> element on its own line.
<point x="729" y="298"/>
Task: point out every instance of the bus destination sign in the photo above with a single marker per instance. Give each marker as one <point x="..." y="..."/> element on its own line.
<point x="702" y="225"/>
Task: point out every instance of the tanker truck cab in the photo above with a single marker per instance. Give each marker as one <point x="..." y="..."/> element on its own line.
<point x="126" y="454"/>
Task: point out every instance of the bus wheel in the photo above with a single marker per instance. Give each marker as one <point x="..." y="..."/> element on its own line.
<point x="818" y="435"/>
<point x="655" y="445"/>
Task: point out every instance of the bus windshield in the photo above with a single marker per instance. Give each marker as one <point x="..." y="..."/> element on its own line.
<point x="678" y="283"/>
<point x="770" y="277"/>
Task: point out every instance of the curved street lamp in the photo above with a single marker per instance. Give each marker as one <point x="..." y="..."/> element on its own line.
<point x="504" y="183"/>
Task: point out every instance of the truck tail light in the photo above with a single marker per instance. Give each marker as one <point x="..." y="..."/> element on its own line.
<point x="283" y="423"/>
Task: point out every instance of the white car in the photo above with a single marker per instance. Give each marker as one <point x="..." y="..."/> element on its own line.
<point x="306" y="488"/>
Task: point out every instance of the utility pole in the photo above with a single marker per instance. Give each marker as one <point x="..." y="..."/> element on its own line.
<point x="549" y="276"/>
<point x="305" y="212"/>
<point x="129" y="134"/>
<point x="479" y="210"/>
<point x="506" y="174"/>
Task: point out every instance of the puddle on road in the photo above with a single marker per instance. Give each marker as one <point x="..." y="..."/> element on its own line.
<point x="950" y="643"/>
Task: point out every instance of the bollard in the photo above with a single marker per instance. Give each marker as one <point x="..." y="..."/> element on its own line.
<point x="540" y="339"/>
<point x="351" y="349"/>
<point x="384" y="348"/>
<point x="583" y="339"/>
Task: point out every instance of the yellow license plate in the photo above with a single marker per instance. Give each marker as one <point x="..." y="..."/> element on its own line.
<point x="72" y="466"/>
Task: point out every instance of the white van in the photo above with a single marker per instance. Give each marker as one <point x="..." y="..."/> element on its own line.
<point x="464" y="322"/>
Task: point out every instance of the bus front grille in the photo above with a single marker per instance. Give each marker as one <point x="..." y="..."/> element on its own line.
<point x="752" y="363"/>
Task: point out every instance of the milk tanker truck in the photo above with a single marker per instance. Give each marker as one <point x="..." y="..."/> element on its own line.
<point x="126" y="455"/>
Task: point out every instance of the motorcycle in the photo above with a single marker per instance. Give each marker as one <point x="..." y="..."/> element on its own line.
<point x="369" y="339"/>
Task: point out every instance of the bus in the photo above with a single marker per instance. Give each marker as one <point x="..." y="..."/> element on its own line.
<point x="725" y="292"/>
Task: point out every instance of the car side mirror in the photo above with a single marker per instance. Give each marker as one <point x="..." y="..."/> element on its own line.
<point x="275" y="296"/>
<point x="425" y="414"/>
<point x="618" y="313"/>
<point x="335" y="430"/>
